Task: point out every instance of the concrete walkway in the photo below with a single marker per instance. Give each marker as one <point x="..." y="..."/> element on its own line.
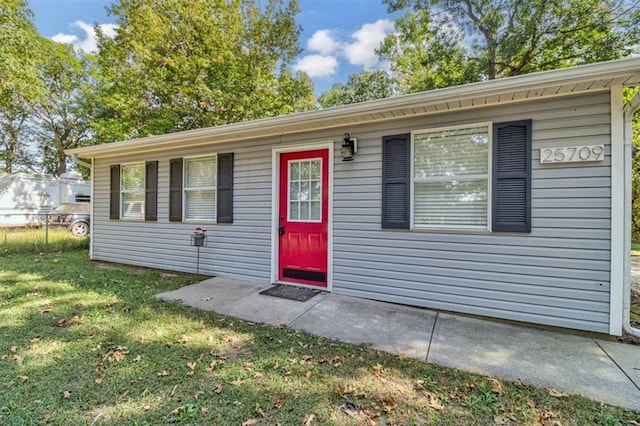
<point x="605" y="371"/>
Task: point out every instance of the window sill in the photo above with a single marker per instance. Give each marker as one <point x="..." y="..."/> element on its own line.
<point x="451" y="230"/>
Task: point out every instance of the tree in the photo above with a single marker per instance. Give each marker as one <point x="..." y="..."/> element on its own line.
<point x="183" y="64"/>
<point x="364" y="86"/>
<point x="425" y="52"/>
<point x="511" y="37"/>
<point x="61" y="121"/>
<point x="20" y="87"/>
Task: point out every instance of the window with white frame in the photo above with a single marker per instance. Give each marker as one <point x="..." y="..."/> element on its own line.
<point x="451" y="177"/>
<point x="200" y="188"/>
<point x="132" y="191"/>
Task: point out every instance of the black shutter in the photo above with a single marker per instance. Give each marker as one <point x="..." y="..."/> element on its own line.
<point x="225" y="188"/>
<point x="396" y="163"/>
<point x="114" y="193"/>
<point x="512" y="176"/>
<point x="175" y="190"/>
<point x="151" y="192"/>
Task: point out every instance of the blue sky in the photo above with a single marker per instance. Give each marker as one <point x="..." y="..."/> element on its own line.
<point x="338" y="38"/>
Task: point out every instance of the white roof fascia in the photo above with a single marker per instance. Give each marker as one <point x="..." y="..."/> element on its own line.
<point x="592" y="77"/>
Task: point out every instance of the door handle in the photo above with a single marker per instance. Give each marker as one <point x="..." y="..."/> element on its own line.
<point x="281" y="230"/>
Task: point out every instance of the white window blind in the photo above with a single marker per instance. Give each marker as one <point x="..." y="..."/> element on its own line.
<point x="200" y="188"/>
<point x="451" y="178"/>
<point x="132" y="191"/>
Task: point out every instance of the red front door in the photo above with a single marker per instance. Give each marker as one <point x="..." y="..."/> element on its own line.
<point x="303" y="217"/>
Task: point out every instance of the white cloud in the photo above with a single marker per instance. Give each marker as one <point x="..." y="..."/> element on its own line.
<point x="88" y="43"/>
<point x="367" y="39"/>
<point x="322" y="41"/>
<point x="65" y="38"/>
<point x="317" y="65"/>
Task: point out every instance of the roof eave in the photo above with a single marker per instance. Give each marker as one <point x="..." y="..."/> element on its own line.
<point x="623" y="72"/>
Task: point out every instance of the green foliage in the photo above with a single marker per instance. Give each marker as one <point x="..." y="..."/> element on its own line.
<point x="179" y="65"/>
<point x="448" y="42"/>
<point x="365" y="86"/>
<point x="426" y="53"/>
<point x="61" y="120"/>
<point x="20" y="87"/>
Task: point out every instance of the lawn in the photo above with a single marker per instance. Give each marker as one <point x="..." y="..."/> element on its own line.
<point x="86" y="343"/>
<point x="38" y="239"/>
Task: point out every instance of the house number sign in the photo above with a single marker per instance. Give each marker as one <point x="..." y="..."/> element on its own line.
<point x="572" y="154"/>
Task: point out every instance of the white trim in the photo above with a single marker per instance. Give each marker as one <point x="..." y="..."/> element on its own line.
<point x="275" y="202"/>
<point x="618" y="224"/>
<point x="93" y="212"/>
<point x="488" y="177"/>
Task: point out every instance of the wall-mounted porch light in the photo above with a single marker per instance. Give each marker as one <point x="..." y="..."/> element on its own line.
<point x="349" y="147"/>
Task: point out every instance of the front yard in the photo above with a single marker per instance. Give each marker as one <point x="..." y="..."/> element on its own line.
<point x="86" y="343"/>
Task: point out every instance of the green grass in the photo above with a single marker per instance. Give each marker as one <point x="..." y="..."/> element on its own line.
<point x="32" y="240"/>
<point x="83" y="343"/>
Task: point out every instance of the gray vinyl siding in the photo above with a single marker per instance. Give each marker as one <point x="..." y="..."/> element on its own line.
<point x="556" y="275"/>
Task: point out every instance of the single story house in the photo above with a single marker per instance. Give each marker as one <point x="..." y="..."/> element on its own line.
<point x="507" y="198"/>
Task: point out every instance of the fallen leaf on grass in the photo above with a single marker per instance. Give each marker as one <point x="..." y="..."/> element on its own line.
<point x="74" y="319"/>
<point x="185" y="339"/>
<point x="146" y="408"/>
<point x="496" y="387"/>
<point x="163" y="373"/>
<point x="204" y="410"/>
<point x="14" y="349"/>
<point x="191" y="365"/>
<point x="168" y="344"/>
<point x="308" y="419"/>
<point x="434" y="402"/>
<point x="17" y="358"/>
<point x="23" y="379"/>
<point x="9" y="383"/>
<point x="47" y="417"/>
<point x="546" y="415"/>
<point x="260" y="411"/>
<point x="46" y="311"/>
<point x="556" y="393"/>
<point x="137" y="358"/>
<point x="280" y="401"/>
<point x="238" y="382"/>
<point x="377" y="370"/>
<point x="250" y="422"/>
<point x="98" y="380"/>
<point x="218" y="388"/>
<point x="389" y="403"/>
<point x="257" y="375"/>
<point x="234" y="341"/>
<point x="66" y="394"/>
